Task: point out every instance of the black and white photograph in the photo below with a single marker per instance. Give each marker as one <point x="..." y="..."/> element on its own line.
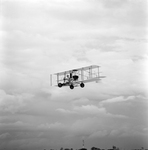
<point x="73" y="74"/>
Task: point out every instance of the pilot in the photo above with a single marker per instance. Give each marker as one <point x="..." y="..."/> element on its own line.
<point x="67" y="78"/>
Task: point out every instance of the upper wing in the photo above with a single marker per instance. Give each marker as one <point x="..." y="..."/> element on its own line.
<point x="77" y="69"/>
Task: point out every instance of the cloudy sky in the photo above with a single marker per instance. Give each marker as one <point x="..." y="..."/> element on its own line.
<point x="41" y="37"/>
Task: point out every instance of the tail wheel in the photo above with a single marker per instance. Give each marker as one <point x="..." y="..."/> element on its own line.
<point x="82" y="85"/>
<point x="71" y="86"/>
<point x="60" y="85"/>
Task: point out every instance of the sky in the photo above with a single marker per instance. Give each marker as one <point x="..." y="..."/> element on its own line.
<point x="43" y="37"/>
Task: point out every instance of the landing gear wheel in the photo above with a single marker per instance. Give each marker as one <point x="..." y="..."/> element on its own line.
<point x="71" y="86"/>
<point x="60" y="85"/>
<point x="82" y="85"/>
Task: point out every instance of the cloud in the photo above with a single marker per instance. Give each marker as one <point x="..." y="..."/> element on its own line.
<point x="4" y="136"/>
<point x="100" y="133"/>
<point x="84" y="126"/>
<point x="81" y="101"/>
<point x="14" y="103"/>
<point x="54" y="126"/>
<point x="118" y="99"/>
<point x="89" y="109"/>
<point x="16" y="126"/>
<point x="65" y="111"/>
<point x="40" y="38"/>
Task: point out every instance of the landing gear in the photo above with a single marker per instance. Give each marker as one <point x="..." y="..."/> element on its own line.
<point x="71" y="86"/>
<point x="60" y="85"/>
<point x="82" y="85"/>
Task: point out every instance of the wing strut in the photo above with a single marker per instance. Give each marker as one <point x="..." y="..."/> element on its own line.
<point x="50" y="79"/>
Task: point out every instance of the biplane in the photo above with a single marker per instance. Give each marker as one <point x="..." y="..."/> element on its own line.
<point x="77" y="77"/>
